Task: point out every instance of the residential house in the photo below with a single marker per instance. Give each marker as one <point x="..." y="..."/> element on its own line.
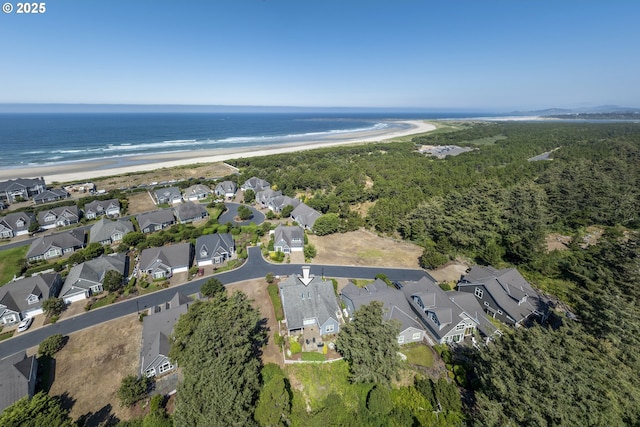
<point x="305" y="216"/>
<point x="52" y="195"/>
<point x="155" y="220"/>
<point x="97" y="208"/>
<point x="108" y="232"/>
<point x="444" y="314"/>
<point x="168" y="195"/>
<point x="189" y="212"/>
<point x="166" y="261"/>
<point x="197" y="192"/>
<point x="23" y="298"/>
<point x="279" y="202"/>
<point x="504" y="294"/>
<point x="255" y="184"/>
<point x="56" y="245"/>
<point x="18" y="376"/>
<point x="21" y="189"/>
<point x="157" y="328"/>
<point x="310" y="303"/>
<point x="61" y="216"/>
<point x="86" y="279"/>
<point x="288" y="239"/>
<point x="214" y="248"/>
<point x="16" y="224"/>
<point x="226" y="189"/>
<point x="396" y="308"/>
<point x="263" y="196"/>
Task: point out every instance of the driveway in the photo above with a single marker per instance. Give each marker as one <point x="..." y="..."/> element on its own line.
<point x="232" y="212"/>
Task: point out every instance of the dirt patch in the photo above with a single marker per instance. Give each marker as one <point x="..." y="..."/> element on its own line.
<point x="140" y="202"/>
<point x="592" y="237"/>
<point x="256" y="290"/>
<point x="90" y="368"/>
<point x="557" y="242"/>
<point x="450" y="272"/>
<point x="364" y="248"/>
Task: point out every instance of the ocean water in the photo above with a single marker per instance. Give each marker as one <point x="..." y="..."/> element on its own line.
<point x="29" y="139"/>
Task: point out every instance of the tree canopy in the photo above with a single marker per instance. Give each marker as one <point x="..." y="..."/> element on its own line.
<point x="41" y="410"/>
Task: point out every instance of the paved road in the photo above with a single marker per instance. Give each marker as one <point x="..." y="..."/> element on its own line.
<point x="254" y="267"/>
<point x="232" y="212"/>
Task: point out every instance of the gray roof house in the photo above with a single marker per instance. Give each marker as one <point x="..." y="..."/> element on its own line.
<point x="226" y="189"/>
<point x="15" y="224"/>
<point x="189" y="212"/>
<point x="17" y="378"/>
<point x="255" y="184"/>
<point x="157" y="327"/>
<point x="23" y="298"/>
<point x="504" y="294"/>
<point x="197" y="192"/>
<point x="214" y="248"/>
<point x="24" y="188"/>
<point x="107" y="232"/>
<point x="52" y="195"/>
<point x="446" y="320"/>
<point x="86" y="279"/>
<point x="155" y="220"/>
<point x="170" y="195"/>
<point x="56" y="245"/>
<point x="277" y="203"/>
<point x="263" y="196"/>
<point x="61" y="216"/>
<point x="395" y="307"/>
<point x="310" y="302"/>
<point x="305" y="216"/>
<point x="166" y="261"/>
<point x="288" y="239"/>
<point x="110" y="208"/>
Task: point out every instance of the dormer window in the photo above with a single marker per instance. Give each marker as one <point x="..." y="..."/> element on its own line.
<point x="418" y="301"/>
<point x="434" y="318"/>
<point x="32" y="299"/>
<point x="19" y="223"/>
<point x="479" y="292"/>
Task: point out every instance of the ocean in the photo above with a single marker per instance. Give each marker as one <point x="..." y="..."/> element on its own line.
<point x="32" y="139"/>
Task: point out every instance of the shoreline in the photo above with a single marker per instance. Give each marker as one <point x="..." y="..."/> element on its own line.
<point x="92" y="169"/>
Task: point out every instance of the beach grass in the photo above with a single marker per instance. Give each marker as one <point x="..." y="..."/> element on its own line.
<point x="10" y="263"/>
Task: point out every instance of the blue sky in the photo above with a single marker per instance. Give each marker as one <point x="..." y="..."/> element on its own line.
<point x="496" y="55"/>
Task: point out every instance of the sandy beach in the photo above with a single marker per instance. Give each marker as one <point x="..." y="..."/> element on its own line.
<point x="86" y="170"/>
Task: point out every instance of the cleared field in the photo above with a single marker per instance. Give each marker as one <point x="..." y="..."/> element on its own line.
<point x="10" y="263"/>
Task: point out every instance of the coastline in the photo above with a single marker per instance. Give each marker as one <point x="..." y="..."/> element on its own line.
<point x="92" y="169"/>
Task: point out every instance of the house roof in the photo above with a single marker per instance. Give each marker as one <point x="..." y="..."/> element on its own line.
<point x="470" y="305"/>
<point x="69" y="212"/>
<point x="189" y="210"/>
<point x="15" y="373"/>
<point x="211" y="245"/>
<point x="168" y="193"/>
<point x="508" y="288"/>
<point x="105" y="228"/>
<point x="66" y="239"/>
<point x="264" y="195"/>
<point x="172" y="256"/>
<point x="101" y="205"/>
<point x="196" y="189"/>
<point x="10" y="220"/>
<point x="19" y="183"/>
<point x="160" y="216"/>
<point x="395" y="304"/>
<point x="292" y="236"/>
<point x="14" y="295"/>
<point x="255" y="184"/>
<point x="53" y="194"/>
<point x="280" y="201"/>
<point x="90" y="273"/>
<point x="226" y="187"/>
<point x="302" y="301"/>
<point x="305" y="215"/>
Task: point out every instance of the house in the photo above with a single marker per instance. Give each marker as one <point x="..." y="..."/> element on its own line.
<point x="109" y="208"/>
<point x="18" y="376"/>
<point x="166" y="261"/>
<point x="197" y="192"/>
<point x="85" y="279"/>
<point x="89" y="187"/>
<point x="504" y="294"/>
<point x="447" y="321"/>
<point x="61" y="216"/>
<point x="263" y="196"/>
<point x="169" y="195"/>
<point x="255" y="184"/>
<point x="19" y="189"/>
<point x="288" y="239"/>
<point x="279" y="202"/>
<point x="189" y="212"/>
<point x="16" y="224"/>
<point x="396" y="308"/>
<point x="214" y="248"/>
<point x="305" y="216"/>
<point x="56" y="245"/>
<point x="23" y="298"/>
<point x="108" y="232"/>
<point x="157" y="328"/>
<point x="155" y="220"/>
<point x="226" y="189"/>
<point x="52" y="195"/>
<point x="310" y="302"/>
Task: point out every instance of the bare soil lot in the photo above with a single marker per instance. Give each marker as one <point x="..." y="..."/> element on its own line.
<point x="140" y="202"/>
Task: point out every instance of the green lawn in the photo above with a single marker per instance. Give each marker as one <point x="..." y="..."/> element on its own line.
<point x="418" y="354"/>
<point x="109" y="299"/>
<point x="313" y="356"/>
<point x="6" y="335"/>
<point x="275" y="300"/>
<point x="10" y="263"/>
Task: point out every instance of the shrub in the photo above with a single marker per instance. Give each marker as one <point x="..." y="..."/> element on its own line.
<point x="295" y="347"/>
<point x="53" y="306"/>
<point x="133" y="389"/>
<point x="51" y="345"/>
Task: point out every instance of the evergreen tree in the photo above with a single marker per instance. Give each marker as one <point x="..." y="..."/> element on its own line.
<point x="41" y="410"/>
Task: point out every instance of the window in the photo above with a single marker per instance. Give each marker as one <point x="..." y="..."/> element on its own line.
<point x="460" y="327"/>
<point x="499" y="311"/>
<point x="416" y="336"/>
<point x="33" y="299"/>
<point x="400" y="339"/>
<point x="330" y="328"/>
<point x="434" y="318"/>
<point x="479" y="292"/>
<point x="166" y="366"/>
<point x="486" y="303"/>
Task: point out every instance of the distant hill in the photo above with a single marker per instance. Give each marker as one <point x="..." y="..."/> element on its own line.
<point x="612" y="112"/>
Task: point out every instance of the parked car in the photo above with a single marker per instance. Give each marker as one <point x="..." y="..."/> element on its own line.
<point x="25" y="324"/>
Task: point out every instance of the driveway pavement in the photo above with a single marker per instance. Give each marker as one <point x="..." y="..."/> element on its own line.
<point x="232" y="212"/>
